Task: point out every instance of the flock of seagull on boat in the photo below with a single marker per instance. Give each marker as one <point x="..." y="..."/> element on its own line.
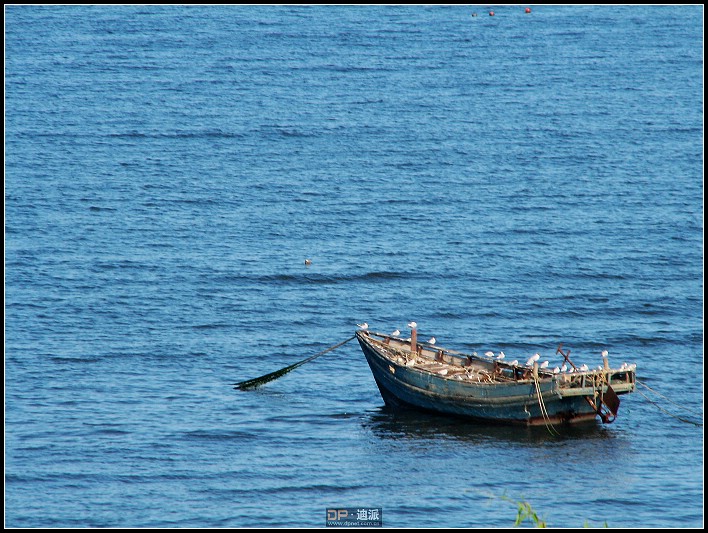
<point x="529" y="363"/>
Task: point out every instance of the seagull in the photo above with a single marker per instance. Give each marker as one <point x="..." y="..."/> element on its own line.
<point x="489" y="354"/>
<point x="556" y="370"/>
<point x="432" y="340"/>
<point x="564" y="367"/>
<point x="501" y="355"/>
<point x="533" y="359"/>
<point x="584" y="368"/>
<point x="412" y="325"/>
<point x="544" y="364"/>
<point x="515" y="362"/>
<point x="604" y="353"/>
<point x="363" y="326"/>
<point x="395" y="333"/>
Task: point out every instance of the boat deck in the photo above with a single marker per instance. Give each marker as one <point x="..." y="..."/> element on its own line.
<point x="454" y="365"/>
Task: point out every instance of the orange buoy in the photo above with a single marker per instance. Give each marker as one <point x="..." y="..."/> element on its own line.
<point x="528" y="10"/>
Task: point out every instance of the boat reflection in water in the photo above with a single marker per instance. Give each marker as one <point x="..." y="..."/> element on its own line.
<point x="395" y="424"/>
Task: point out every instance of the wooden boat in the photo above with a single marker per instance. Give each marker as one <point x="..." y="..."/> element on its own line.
<point x="423" y="376"/>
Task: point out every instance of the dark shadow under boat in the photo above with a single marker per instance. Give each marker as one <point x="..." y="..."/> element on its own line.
<point x="391" y="423"/>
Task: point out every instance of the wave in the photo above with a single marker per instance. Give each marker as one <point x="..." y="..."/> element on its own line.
<point x="221" y="435"/>
<point x="323" y="279"/>
<point x="287" y="490"/>
<point x="197" y="134"/>
<point x="204" y="134"/>
<point x="209" y="327"/>
<point x="285" y="131"/>
<point x="64" y="359"/>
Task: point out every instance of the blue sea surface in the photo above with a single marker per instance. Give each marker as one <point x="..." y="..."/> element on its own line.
<point x="508" y="182"/>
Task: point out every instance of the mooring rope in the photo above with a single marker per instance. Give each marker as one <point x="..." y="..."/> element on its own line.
<point x="685" y="420"/>
<point x="257" y="382"/>
<point x="544" y="413"/>
<point x="667" y="399"/>
<point x="549" y="424"/>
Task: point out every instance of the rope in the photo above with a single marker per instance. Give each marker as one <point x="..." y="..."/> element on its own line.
<point x="257" y="382"/>
<point x="667" y="412"/>
<point x="598" y="383"/>
<point x="667" y="399"/>
<point x="549" y="425"/>
<point x="544" y="413"/>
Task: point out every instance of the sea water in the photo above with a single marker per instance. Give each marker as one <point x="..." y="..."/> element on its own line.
<point x="509" y="182"/>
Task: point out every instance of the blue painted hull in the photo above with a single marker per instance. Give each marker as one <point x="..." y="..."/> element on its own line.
<point x="514" y="402"/>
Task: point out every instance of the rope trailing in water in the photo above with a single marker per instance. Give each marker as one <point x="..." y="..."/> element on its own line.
<point x="667" y="399"/>
<point x="257" y="382"/>
<point x="699" y="424"/>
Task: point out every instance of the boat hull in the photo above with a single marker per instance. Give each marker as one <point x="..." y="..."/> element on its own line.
<point x="508" y="403"/>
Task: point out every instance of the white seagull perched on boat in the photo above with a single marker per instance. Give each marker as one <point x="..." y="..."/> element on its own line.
<point x="533" y="359"/>
<point x="564" y="367"/>
<point x="556" y="370"/>
<point x="584" y="368"/>
<point x="363" y="326"/>
<point x="412" y="325"/>
<point x="432" y="340"/>
<point x="501" y="356"/>
<point x="514" y="362"/>
<point x="395" y="333"/>
<point x="489" y="354"/>
<point x="604" y="353"/>
<point x="544" y="364"/>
